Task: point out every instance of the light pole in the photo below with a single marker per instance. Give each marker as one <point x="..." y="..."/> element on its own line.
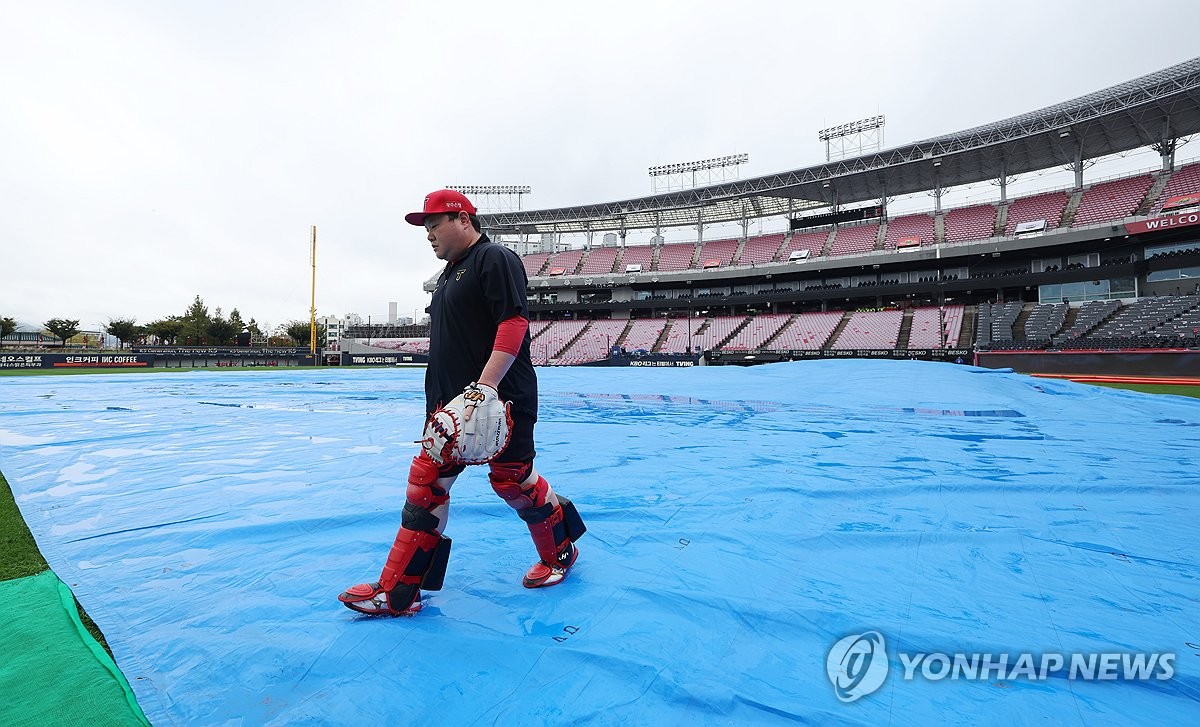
<point x="691" y="347"/>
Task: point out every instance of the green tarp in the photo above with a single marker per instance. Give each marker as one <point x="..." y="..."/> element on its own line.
<point x="52" y="672"/>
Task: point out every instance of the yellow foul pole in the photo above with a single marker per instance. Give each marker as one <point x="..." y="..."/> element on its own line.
<point x="312" y="312"/>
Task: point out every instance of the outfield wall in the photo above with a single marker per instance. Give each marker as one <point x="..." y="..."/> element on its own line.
<point x="160" y="357"/>
<point x="1175" y="363"/>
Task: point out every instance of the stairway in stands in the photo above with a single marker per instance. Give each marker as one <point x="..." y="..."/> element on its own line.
<point x="736" y="330"/>
<point x="829" y="241"/>
<point x="574" y="338"/>
<point x="1069" y="323"/>
<point x="837" y="331"/>
<point x="766" y="345"/>
<point x="1068" y="215"/>
<point x="1156" y="189"/>
<point x="966" y="332"/>
<point x="1018" y="328"/>
<point x="662" y="337"/>
<point x="905" y="330"/>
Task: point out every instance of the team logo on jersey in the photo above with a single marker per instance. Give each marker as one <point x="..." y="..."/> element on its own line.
<point x="459" y="274"/>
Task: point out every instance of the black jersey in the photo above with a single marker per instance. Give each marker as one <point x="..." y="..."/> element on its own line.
<point x="472" y="297"/>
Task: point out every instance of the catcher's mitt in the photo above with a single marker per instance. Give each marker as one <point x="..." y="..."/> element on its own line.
<point x="473" y="428"/>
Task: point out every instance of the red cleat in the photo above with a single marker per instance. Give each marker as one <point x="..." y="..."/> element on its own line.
<point x="371" y="599"/>
<point x="542" y="574"/>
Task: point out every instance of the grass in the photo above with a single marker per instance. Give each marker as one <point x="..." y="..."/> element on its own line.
<point x="19" y="554"/>
<point x="1177" y="390"/>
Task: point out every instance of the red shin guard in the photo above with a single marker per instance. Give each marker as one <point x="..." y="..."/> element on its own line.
<point x="552" y="525"/>
<point x="418" y="556"/>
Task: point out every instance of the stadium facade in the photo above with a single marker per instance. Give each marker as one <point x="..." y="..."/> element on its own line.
<point x="1110" y="264"/>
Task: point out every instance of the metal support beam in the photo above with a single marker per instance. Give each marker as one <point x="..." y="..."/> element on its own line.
<point x="1004" y="180"/>
<point x="1078" y="163"/>
<point x="1166" y="146"/>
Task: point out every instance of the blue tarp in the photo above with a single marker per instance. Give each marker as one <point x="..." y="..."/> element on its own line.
<point x="742" y="522"/>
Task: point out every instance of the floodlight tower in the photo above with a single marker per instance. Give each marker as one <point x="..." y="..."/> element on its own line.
<point x="853" y="139"/>
<point x="696" y="174"/>
<point x="494" y="197"/>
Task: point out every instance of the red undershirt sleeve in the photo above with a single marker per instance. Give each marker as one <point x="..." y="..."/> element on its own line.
<point x="510" y="334"/>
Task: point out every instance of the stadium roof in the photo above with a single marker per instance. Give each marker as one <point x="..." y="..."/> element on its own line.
<point x="1164" y="105"/>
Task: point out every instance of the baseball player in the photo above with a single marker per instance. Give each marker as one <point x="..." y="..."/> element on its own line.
<point x="481" y="401"/>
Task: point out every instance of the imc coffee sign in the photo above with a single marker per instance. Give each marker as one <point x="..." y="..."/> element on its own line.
<point x="101" y="361"/>
<point x="60" y="360"/>
<point x="1163" y="223"/>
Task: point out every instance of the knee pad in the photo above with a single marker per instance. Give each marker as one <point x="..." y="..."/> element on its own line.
<point x="509" y="471"/>
<point x="521" y="497"/>
<point x="423" y="492"/>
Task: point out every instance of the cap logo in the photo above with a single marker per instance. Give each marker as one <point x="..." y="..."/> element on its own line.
<point x="454" y="204"/>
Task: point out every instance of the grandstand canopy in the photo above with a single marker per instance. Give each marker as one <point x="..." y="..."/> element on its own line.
<point x="1154" y="109"/>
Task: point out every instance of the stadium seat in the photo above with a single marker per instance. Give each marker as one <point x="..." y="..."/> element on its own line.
<point x="761" y="249"/>
<point x="600" y="260"/>
<point x="966" y="224"/>
<point x="813" y="242"/>
<point x="807" y="332"/>
<point x="643" y="334"/>
<point x="855" y="239"/>
<point x="676" y="256"/>
<point x="918" y="225"/>
<point x="1185" y="180"/>
<point x="925" y="332"/>
<point x="534" y="263"/>
<point x="719" y="251"/>
<point x="1048" y="206"/>
<point x="1112" y="201"/>
<point x="594" y="344"/>
<point x="566" y="261"/>
<point x="870" y="329"/>
<point x="641" y="255"/>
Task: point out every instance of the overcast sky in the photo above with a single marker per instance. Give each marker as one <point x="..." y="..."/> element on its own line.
<point x="155" y="151"/>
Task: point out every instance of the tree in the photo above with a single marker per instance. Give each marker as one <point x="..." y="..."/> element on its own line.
<point x="299" y="330"/>
<point x="7" y="326"/>
<point x="63" y="328"/>
<point x="166" y="330"/>
<point x="221" y="331"/>
<point x="195" y="323"/>
<point x="126" y="330"/>
<point x="280" y="336"/>
<point x="235" y="320"/>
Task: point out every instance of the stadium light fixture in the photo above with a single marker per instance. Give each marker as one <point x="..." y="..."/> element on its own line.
<point x="1064" y="133"/>
<point x="491" y="188"/>
<point x="854" y="127"/>
<point x="715" y="163"/>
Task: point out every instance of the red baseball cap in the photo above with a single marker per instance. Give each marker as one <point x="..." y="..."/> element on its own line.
<point x="441" y="202"/>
